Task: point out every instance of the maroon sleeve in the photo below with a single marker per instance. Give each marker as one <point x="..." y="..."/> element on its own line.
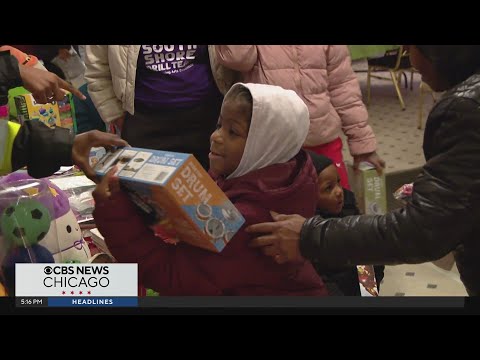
<point x="167" y="269"/>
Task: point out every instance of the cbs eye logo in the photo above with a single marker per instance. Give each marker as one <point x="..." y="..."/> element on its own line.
<point x="48" y="270"/>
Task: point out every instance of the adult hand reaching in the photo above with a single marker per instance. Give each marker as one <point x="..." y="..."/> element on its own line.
<point x="83" y="143"/>
<point x="282" y="237"/>
<point x="46" y="86"/>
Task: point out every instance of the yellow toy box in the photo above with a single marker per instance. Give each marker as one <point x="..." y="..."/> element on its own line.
<point x="28" y="109"/>
<point x="177" y="195"/>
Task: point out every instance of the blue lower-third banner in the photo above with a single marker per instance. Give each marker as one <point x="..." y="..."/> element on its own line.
<point x="92" y="302"/>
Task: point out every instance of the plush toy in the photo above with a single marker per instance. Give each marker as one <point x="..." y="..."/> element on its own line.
<point x="25" y="223"/>
<point x="64" y="238"/>
<point x="25" y="208"/>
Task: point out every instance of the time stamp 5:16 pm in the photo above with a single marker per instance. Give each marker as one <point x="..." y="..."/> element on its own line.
<point x="31" y="301"/>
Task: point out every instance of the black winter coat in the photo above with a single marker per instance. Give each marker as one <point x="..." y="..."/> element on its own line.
<point x="41" y="149"/>
<point x="443" y="214"/>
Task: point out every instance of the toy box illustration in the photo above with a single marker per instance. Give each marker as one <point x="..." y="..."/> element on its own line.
<point x="28" y="109"/>
<point x="177" y="195"/>
<point x="96" y="154"/>
<point x="66" y="109"/>
<point x="367" y="281"/>
<point x="61" y="113"/>
<point x="370" y="189"/>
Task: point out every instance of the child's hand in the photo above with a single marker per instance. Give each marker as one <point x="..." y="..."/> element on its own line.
<point x="107" y="187"/>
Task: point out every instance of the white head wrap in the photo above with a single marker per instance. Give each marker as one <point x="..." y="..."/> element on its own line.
<point x="278" y="128"/>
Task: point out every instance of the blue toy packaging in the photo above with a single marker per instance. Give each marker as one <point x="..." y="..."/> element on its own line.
<point x="177" y="195"/>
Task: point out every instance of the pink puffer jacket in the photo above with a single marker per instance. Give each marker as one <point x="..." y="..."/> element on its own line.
<point x="322" y="75"/>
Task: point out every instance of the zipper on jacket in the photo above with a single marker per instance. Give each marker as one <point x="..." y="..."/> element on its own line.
<point x="297" y="77"/>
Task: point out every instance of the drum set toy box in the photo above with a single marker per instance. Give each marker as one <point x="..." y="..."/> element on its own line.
<point x="179" y="198"/>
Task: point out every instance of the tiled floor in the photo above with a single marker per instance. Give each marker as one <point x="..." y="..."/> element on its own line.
<point x="400" y="145"/>
<point x="421" y="280"/>
<point x="399" y="140"/>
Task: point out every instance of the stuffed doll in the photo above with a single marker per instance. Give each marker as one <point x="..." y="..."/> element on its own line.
<point x="64" y="237"/>
<point x="26" y="209"/>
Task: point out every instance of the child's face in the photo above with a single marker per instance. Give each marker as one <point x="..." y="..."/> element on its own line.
<point x="227" y="143"/>
<point x="329" y="192"/>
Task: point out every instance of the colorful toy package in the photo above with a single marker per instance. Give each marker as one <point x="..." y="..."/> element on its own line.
<point x="177" y="195"/>
<point x="367" y="281"/>
<point x="12" y="94"/>
<point x="29" y="109"/>
<point x="404" y="192"/>
<point x="60" y="113"/>
<point x="66" y="109"/>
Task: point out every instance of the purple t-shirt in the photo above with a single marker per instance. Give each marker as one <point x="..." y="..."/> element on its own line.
<point x="173" y="76"/>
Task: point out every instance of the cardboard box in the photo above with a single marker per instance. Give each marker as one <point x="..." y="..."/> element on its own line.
<point x="28" y="109"/>
<point x="371" y="194"/>
<point x="96" y="154"/>
<point x="370" y="189"/>
<point x="177" y="195"/>
<point x="61" y="113"/>
<point x="66" y="109"/>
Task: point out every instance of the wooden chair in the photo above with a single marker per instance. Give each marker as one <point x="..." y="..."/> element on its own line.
<point x="397" y="62"/>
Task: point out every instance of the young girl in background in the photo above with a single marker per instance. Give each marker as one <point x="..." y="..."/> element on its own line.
<point x="323" y="77"/>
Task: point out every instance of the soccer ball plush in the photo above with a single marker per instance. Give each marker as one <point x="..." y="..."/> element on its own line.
<point x="25" y="223"/>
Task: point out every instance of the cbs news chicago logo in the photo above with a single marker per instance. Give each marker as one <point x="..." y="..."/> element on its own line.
<point x="76" y="280"/>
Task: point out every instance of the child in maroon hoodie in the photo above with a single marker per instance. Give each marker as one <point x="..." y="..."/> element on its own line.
<point x="256" y="159"/>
